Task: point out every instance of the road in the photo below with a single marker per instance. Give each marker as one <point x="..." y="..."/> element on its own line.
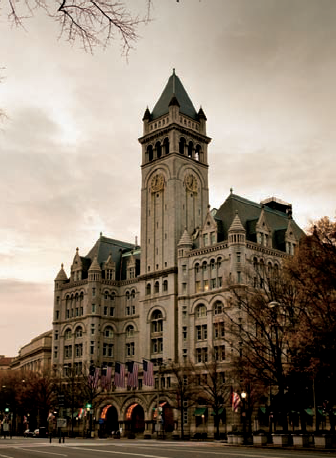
<point x="79" y="448"/>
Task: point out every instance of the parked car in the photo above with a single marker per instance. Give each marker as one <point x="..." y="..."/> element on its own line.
<point x="41" y="432"/>
<point x="28" y="433"/>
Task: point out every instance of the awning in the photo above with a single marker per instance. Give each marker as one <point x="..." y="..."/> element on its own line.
<point x="220" y="411"/>
<point x="309" y="412"/>
<point x="200" y="411"/>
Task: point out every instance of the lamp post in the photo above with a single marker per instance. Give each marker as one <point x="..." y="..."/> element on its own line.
<point x="243" y="396"/>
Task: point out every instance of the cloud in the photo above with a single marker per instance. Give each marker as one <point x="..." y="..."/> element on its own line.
<point x="26" y="310"/>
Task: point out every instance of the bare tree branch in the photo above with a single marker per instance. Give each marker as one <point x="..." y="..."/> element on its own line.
<point x="90" y="22"/>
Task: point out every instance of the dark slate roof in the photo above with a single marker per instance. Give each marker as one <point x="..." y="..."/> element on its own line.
<point x="106" y="246"/>
<point x="174" y="88"/>
<point x="249" y="213"/>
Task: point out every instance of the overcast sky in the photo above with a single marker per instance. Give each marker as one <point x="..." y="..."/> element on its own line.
<point x="263" y="72"/>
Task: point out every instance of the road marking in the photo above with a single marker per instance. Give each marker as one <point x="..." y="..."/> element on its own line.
<point x="39" y="451"/>
<point x="118" y="452"/>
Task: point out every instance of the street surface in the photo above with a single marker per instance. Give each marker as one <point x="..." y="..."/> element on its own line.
<point x="81" y="448"/>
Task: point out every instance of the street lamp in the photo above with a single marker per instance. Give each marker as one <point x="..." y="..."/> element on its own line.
<point x="243" y="396"/>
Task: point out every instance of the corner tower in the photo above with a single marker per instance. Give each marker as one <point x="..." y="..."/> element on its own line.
<point x="174" y="192"/>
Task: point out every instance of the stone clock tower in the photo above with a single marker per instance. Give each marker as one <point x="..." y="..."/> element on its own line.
<point x="174" y="193"/>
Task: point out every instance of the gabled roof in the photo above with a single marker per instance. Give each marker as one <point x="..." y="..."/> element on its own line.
<point x="249" y="214"/>
<point x="174" y="90"/>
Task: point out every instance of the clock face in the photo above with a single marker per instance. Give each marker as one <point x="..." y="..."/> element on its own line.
<point x="157" y="183"/>
<point x="191" y="183"/>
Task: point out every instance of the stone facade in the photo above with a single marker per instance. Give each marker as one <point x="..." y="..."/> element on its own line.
<point x="34" y="356"/>
<point x="164" y="301"/>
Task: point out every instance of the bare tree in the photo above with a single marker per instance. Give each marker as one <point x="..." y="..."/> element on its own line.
<point x="262" y="327"/>
<point x="183" y="388"/>
<point x="89" y="22"/>
<point x="211" y="377"/>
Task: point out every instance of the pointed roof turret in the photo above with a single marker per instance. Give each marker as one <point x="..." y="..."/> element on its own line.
<point x="95" y="266"/>
<point x="236" y="225"/>
<point x="146" y="115"/>
<point x="61" y="276"/>
<point x="174" y="89"/>
<point x="185" y="239"/>
<point x="201" y="114"/>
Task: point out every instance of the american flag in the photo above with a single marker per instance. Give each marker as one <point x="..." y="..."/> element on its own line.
<point x="148" y="377"/>
<point x="235" y="401"/>
<point x="119" y="375"/>
<point x="133" y="370"/>
<point x="105" y="380"/>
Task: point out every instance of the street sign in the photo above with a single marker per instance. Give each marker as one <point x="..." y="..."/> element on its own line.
<point x="61" y="422"/>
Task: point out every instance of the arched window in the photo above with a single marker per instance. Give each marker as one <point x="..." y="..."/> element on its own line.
<point x="150" y="152"/>
<point x="166" y="145"/>
<point x="156" y="287"/>
<point x="197" y="266"/>
<point x="157" y="321"/>
<point x="158" y="150"/>
<point x="182" y="145"/>
<point x="204" y="265"/>
<point x="112" y="297"/>
<point x="67" y="334"/>
<point x="133" y="294"/>
<point x="156" y="332"/>
<point x="198" y="152"/>
<point x="148" y="289"/>
<point x="165" y="285"/>
<point x="127" y="295"/>
<point x="106" y="295"/>
<point x="201" y="311"/>
<point x="79" y="331"/>
<point x="190" y="149"/>
<point x="108" y="332"/>
<point x="218" y="308"/>
<point x="130" y="331"/>
<point x="212" y="264"/>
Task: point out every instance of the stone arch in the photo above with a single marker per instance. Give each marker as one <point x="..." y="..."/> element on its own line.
<point x="163" y="169"/>
<point x="158" y="148"/>
<point x="166" y="146"/>
<point x="133" y="414"/>
<point x="110" y="416"/>
<point x="153" y="309"/>
<point x="166" y="412"/>
<point x="130" y="323"/>
<point x="182" y="144"/>
<point x="186" y="169"/>
<point x="197" y="304"/>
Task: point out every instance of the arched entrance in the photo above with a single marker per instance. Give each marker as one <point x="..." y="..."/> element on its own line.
<point x="166" y="417"/>
<point x="135" y="418"/>
<point x="108" y="420"/>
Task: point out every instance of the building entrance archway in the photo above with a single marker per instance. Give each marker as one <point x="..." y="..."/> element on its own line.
<point x="166" y="417"/>
<point x="135" y="418"/>
<point x="108" y="420"/>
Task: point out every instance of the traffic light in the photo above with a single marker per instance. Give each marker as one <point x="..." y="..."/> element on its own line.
<point x="88" y="406"/>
